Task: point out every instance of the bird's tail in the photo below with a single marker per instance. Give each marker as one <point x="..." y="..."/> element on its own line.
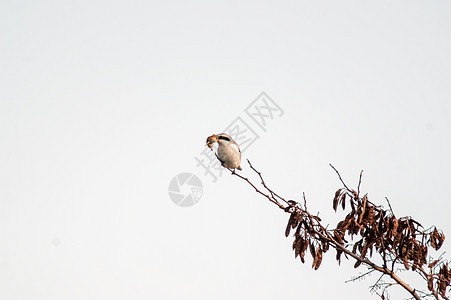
<point x="239" y="168"/>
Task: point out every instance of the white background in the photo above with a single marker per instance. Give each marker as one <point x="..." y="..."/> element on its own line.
<point x="102" y="103"/>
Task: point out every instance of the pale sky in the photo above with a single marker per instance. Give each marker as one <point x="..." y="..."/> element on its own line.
<point x="103" y="103"/>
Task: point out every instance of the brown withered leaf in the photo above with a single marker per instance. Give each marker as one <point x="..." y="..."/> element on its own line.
<point x="406" y="249"/>
<point x="314" y="260"/>
<point x="290" y="221"/>
<point x="356" y="245"/>
<point x="362" y="231"/>
<point x="436" y="239"/>
<point x="312" y="250"/>
<point x="302" y="254"/>
<point x="343" y="201"/>
<point x="338" y="235"/>
<point x="425" y="254"/>
<point x="362" y="212"/>
<point x="298" y="246"/>
<point x="406" y="263"/>
<point x="341" y="224"/>
<point x="338" y="256"/>
<point x="443" y="282"/>
<point x="433" y="239"/>
<point x="416" y="255"/>
<point x="336" y="198"/>
<point x="395" y="226"/>
<point x="325" y="246"/>
<point x="364" y="248"/>
<point x="370" y="216"/>
<point x="441" y="239"/>
<point x="353" y="228"/>
<point x="447" y="273"/>
<point x="380" y="224"/>
<point x="357" y="264"/>
<point x="319" y="258"/>
<point x="295" y="222"/>
<point x="305" y="246"/>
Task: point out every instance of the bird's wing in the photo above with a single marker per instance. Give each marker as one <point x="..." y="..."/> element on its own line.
<point x="235" y="145"/>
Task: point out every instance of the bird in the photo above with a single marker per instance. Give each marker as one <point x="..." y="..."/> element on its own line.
<point x="229" y="153"/>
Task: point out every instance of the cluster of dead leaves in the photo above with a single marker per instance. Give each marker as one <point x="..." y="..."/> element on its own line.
<point x="397" y="240"/>
<point x="306" y="235"/>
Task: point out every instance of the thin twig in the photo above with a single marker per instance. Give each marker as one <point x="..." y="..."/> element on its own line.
<point x="305" y="201"/>
<point x="339" y="176"/>
<point x="389" y="205"/>
<point x="361" y="276"/>
<point x="256" y="189"/>
<point x="360" y="181"/>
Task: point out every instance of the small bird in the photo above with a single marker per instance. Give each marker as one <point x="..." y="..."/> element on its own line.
<point x="229" y="153"/>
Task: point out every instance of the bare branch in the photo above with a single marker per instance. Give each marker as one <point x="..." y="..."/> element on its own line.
<point x="339" y="176"/>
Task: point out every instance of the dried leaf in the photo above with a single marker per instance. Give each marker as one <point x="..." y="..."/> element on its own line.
<point x="358" y="244"/>
<point x="298" y="246"/>
<point x="314" y="261"/>
<point x="441" y="239"/>
<point x="430" y="283"/>
<point x="395" y="226"/>
<point x="338" y="256"/>
<point x="357" y="264"/>
<point x="325" y="246"/>
<point x="295" y="222"/>
<point x="406" y="263"/>
<point x="312" y="250"/>
<point x="343" y="201"/>
<point x="364" y="249"/>
<point x="335" y="202"/>
<point x="290" y="221"/>
<point x="319" y="258"/>
<point x="365" y="199"/>
<point x="433" y="239"/>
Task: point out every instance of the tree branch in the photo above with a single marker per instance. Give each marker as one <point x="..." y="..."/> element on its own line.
<point x="395" y="239"/>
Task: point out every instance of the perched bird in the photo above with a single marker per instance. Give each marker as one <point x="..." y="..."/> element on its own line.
<point x="229" y="153"/>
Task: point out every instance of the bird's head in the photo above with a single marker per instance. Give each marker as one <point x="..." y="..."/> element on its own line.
<point x="211" y="140"/>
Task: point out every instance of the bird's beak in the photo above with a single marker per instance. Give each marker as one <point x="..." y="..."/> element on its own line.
<point x="210" y="145"/>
